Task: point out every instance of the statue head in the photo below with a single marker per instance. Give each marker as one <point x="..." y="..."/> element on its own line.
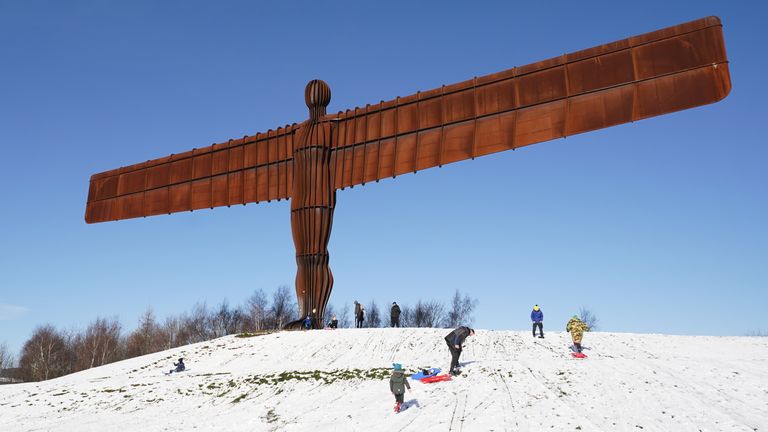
<point x="317" y="96"/>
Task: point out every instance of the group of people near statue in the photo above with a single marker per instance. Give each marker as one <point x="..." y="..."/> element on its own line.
<point x="455" y="340"/>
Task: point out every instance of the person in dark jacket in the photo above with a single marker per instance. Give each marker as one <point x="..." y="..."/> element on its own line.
<point x="395" y="315"/>
<point x="455" y="339"/>
<point x="334" y="323"/>
<point x="179" y="366"/>
<point x="359" y="315"/>
<point x="397" y="385"/>
<point x="537" y="316"/>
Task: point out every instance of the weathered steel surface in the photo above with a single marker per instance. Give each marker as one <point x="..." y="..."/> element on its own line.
<point x="246" y="170"/>
<point x="312" y="204"/>
<point x="668" y="70"/>
<point x="644" y="76"/>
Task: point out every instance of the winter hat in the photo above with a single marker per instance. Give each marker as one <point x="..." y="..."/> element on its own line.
<point x="535" y="307"/>
<point x="397" y="366"/>
<point x="394" y="303"/>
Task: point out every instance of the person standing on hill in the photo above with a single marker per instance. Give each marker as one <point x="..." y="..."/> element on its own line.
<point x="395" y="315"/>
<point x="537" y="316"/>
<point x="576" y="327"/>
<point x="455" y="340"/>
<point x="397" y="385"/>
<point x="358" y="315"/>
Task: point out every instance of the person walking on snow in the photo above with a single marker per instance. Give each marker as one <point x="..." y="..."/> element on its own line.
<point x="537" y="316"/>
<point x="455" y="339"/>
<point x="395" y="315"/>
<point x="576" y="327"/>
<point x="397" y="384"/>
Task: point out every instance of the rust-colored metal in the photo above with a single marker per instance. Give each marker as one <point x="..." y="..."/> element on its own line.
<point x="668" y="70"/>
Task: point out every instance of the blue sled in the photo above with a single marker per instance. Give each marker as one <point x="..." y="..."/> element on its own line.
<point x="431" y="372"/>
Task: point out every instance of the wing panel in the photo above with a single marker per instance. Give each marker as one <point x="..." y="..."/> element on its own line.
<point x="251" y="169"/>
<point x="676" y="68"/>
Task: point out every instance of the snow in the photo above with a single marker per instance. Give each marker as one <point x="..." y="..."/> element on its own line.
<point x="338" y="381"/>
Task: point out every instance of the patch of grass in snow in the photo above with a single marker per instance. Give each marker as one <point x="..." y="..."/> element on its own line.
<point x="326" y="377"/>
<point x="239" y="398"/>
<point x="253" y="334"/>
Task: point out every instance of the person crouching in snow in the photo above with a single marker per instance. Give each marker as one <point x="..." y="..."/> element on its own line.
<point x="577" y="327"/>
<point x="537" y="316"/>
<point x="179" y="366"/>
<point x="455" y="340"/>
<point x="309" y="320"/>
<point x="397" y="384"/>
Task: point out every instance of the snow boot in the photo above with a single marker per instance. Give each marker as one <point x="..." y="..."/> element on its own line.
<point x="397" y="407"/>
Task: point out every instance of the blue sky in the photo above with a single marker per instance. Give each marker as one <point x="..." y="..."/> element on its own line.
<point x="657" y="226"/>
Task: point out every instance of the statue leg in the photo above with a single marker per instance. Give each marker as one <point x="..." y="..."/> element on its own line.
<point x="314" y="279"/>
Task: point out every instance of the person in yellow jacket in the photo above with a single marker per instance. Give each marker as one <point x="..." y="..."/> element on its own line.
<point x="576" y="327"/>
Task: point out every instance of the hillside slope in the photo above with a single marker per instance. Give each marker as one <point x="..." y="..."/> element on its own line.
<point x="337" y="380"/>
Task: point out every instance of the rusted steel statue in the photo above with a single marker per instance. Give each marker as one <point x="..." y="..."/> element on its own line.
<point x="672" y="69"/>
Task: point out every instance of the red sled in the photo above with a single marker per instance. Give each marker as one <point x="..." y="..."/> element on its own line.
<point x="436" y="378"/>
<point x="579" y="355"/>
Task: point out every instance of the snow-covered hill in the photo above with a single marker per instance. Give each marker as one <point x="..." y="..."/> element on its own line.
<point x="338" y="380"/>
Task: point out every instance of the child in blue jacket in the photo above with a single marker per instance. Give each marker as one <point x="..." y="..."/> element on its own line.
<point x="537" y="316"/>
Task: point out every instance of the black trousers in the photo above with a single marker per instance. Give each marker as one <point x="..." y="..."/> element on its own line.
<point x="395" y="321"/>
<point x="540" y="326"/>
<point x="455" y="353"/>
<point x="399" y="397"/>
<point x="358" y="323"/>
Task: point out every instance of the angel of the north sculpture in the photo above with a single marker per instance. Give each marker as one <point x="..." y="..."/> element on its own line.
<point x="656" y="73"/>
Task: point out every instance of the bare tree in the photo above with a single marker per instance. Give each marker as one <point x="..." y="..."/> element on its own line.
<point x="193" y="328"/>
<point x="344" y="316"/>
<point x="98" y="345"/>
<point x="6" y="358"/>
<point x="589" y="318"/>
<point x="372" y="315"/>
<point x="428" y="313"/>
<point x="147" y="338"/>
<point x="284" y="309"/>
<point x="223" y="321"/>
<point x="757" y="333"/>
<point x="171" y="332"/>
<point x="257" y="310"/>
<point x="432" y="313"/>
<point x="407" y="318"/>
<point x="45" y="355"/>
<point x="460" y="312"/>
